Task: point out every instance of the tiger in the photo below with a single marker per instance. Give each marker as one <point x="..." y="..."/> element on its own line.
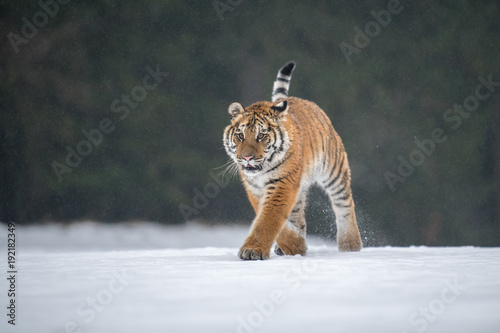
<point x="281" y="148"/>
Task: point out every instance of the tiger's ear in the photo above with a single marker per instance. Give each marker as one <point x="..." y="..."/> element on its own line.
<point x="235" y="109"/>
<point x="280" y="109"/>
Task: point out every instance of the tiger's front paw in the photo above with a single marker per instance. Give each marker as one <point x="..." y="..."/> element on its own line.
<point x="249" y="253"/>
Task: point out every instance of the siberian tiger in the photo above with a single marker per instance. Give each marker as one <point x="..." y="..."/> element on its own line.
<point x="281" y="148"/>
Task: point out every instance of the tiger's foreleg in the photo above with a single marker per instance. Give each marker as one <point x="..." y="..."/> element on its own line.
<point x="275" y="207"/>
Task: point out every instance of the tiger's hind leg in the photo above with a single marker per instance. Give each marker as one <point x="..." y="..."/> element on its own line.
<point x="348" y="237"/>
<point x="339" y="191"/>
<point x="291" y="239"/>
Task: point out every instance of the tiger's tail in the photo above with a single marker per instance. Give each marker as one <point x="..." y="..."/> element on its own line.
<point x="282" y="83"/>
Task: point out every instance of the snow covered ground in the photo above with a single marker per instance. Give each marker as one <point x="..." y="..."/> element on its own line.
<point x="147" y="278"/>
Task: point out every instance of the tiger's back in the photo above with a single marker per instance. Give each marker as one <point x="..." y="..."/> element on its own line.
<point x="282" y="148"/>
<point x="321" y="146"/>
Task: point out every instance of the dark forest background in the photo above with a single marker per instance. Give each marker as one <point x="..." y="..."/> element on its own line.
<point x="73" y="67"/>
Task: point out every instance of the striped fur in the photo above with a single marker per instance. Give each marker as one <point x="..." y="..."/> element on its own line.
<point x="281" y="148"/>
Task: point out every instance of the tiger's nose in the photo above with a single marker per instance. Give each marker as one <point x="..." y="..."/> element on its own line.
<point x="248" y="158"/>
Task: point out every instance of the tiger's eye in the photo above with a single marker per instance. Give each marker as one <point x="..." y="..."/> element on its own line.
<point x="261" y="136"/>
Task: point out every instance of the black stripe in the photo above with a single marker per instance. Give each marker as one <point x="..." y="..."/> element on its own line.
<point x="345" y="216"/>
<point x="329" y="157"/>
<point x="311" y="137"/>
<point x="252" y="184"/>
<point x="258" y="121"/>
<point x="341" y="205"/>
<point x="282" y="141"/>
<point x="340" y="189"/>
<point x="345" y="196"/>
<point x="272" y="140"/>
<point x="278" y="180"/>
<point x="227" y="139"/>
<point x="267" y="203"/>
<point x="336" y="177"/>
<point x="283" y="91"/>
<point x="311" y="146"/>
<point x="281" y="163"/>
<point x="282" y="79"/>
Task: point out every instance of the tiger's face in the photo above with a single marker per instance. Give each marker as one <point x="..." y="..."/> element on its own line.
<point x="256" y="139"/>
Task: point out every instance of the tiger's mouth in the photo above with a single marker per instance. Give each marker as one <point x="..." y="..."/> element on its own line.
<point x="251" y="168"/>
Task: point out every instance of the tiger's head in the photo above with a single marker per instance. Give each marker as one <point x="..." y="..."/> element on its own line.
<point x="256" y="139"/>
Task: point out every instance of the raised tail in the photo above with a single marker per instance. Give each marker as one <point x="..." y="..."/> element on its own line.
<point x="282" y="83"/>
